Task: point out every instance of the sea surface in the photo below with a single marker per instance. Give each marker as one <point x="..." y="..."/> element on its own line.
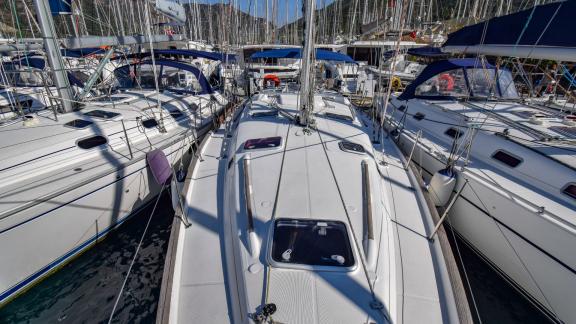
<point x="84" y="291"/>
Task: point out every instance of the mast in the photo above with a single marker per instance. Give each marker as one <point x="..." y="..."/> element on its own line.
<point x="52" y="49"/>
<point x="308" y="58"/>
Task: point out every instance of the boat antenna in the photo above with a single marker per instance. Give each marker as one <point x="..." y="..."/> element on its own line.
<point x="52" y="49"/>
<point x="306" y="72"/>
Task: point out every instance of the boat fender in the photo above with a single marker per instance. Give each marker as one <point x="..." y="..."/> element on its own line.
<point x="175" y="195"/>
<point x="569" y="120"/>
<point x="441" y="186"/>
<point x="30" y="120"/>
<point x="159" y="166"/>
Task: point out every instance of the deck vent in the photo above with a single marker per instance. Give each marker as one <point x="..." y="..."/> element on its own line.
<point x="507" y="158"/>
<point x="150" y="123"/>
<point x="338" y="116"/>
<point x="419" y="116"/>
<point x="102" y="114"/>
<point x="351" y="147"/>
<point x="570" y="190"/>
<point x="260" y="143"/>
<point x="78" y="124"/>
<point x="92" y="142"/>
<point x="453" y="132"/>
<point x="402" y="108"/>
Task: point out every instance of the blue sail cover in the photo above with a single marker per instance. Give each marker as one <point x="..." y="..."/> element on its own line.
<point x="546" y="25"/>
<point x="36" y="62"/>
<point x="214" y="56"/>
<point x="427" y="51"/>
<point x="296" y="53"/>
<point x="439" y="67"/>
<point x="60" y="7"/>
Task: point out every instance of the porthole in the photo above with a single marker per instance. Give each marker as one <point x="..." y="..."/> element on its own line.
<point x="507" y="158"/>
<point x="338" y="116"/>
<point x="92" y="142"/>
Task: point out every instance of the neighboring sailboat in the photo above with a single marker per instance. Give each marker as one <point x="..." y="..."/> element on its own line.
<point x="512" y="164"/>
<point x="71" y="174"/>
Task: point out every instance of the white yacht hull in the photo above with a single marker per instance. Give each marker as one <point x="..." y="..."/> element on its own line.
<point x="510" y="234"/>
<point x="64" y="226"/>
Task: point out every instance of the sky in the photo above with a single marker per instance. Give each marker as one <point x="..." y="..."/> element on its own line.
<point x="260" y="5"/>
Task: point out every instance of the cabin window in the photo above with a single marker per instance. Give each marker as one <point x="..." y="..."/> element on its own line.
<point x="176" y="114"/>
<point x="150" y="123"/>
<point x="446" y="84"/>
<point x="418" y="116"/>
<point x="92" y="142"/>
<point x="351" y="147"/>
<point x="78" y="123"/>
<point x="507" y="158"/>
<point x="102" y="114"/>
<point x="311" y="242"/>
<point x="453" y="132"/>
<point x="260" y="143"/>
<point x="338" y="116"/>
<point x="570" y="190"/>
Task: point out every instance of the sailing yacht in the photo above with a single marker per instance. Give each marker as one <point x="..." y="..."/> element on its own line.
<point x="505" y="166"/>
<point x="67" y="179"/>
<point x="291" y="214"/>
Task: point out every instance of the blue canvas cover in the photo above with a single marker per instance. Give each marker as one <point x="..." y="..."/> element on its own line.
<point x="440" y="67"/>
<point x="214" y="56"/>
<point x="427" y="51"/>
<point x="296" y="53"/>
<point x="60" y="7"/>
<point x="124" y="71"/>
<point x="546" y="25"/>
<point x="81" y="52"/>
<point x="37" y="62"/>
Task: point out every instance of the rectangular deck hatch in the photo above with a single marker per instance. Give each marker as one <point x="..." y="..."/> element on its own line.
<point x="311" y="242"/>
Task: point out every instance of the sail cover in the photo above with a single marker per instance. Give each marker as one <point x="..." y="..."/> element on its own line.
<point x="543" y="32"/>
<point x="296" y="53"/>
<point x="60" y="7"/>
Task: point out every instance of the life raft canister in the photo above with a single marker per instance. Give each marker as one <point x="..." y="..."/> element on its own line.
<point x="446" y="82"/>
<point x="273" y="78"/>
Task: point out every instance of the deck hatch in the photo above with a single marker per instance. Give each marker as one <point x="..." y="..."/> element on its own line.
<point x="351" y="147"/>
<point x="78" y="123"/>
<point x="92" y="142"/>
<point x="570" y="190"/>
<point x="150" y="123"/>
<point x="260" y="143"/>
<point x="338" y="116"/>
<point x="311" y="242"/>
<point x="507" y="158"/>
<point x="453" y="132"/>
<point x="102" y="114"/>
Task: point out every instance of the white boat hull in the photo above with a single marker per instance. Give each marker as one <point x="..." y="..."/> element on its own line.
<point x="64" y="226"/>
<point x="520" y="243"/>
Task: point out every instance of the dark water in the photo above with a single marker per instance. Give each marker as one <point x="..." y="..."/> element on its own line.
<point x="496" y="300"/>
<point x="84" y="291"/>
